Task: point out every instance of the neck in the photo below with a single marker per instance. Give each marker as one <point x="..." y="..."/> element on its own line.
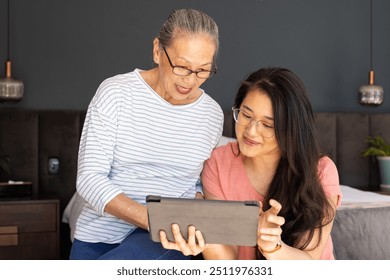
<point x="151" y="77"/>
<point x="261" y="171"/>
<point x="267" y="162"/>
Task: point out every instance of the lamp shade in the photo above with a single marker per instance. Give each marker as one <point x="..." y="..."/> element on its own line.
<point x="10" y="89"/>
<point x="371" y="94"/>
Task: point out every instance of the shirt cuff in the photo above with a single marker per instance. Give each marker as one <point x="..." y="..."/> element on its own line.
<point x="199" y="186"/>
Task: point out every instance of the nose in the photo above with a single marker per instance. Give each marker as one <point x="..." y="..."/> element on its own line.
<point x="252" y="128"/>
<point x="191" y="78"/>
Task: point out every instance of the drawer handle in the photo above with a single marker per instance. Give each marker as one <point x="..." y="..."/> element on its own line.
<point x="8" y="235"/>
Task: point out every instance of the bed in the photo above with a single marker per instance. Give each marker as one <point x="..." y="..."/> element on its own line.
<point x="361" y="230"/>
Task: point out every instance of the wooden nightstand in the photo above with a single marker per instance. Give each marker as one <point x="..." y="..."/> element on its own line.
<point x="29" y="229"/>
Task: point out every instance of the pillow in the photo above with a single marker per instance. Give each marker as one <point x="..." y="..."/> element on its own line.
<point x="72" y="212"/>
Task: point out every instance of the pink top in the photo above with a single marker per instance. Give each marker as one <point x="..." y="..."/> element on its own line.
<point x="224" y="176"/>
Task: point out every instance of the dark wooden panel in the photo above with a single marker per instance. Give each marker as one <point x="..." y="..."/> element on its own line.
<point x="326" y="125"/>
<point x="32" y="246"/>
<point x="19" y="140"/>
<point x="34" y="225"/>
<point x="59" y="136"/>
<point x="352" y="130"/>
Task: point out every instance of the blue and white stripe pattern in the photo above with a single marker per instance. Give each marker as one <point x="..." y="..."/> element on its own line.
<point x="136" y="143"/>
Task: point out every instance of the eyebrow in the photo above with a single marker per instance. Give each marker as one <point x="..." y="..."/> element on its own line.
<point x="249" y="109"/>
<point x="189" y="62"/>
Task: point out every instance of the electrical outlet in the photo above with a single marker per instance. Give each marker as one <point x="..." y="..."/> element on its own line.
<point x="53" y="166"/>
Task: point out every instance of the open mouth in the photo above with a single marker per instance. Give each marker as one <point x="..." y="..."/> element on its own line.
<point x="250" y="142"/>
<point x="183" y="90"/>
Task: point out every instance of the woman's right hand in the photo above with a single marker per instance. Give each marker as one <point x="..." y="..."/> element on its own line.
<point x="269" y="228"/>
<point x="194" y="246"/>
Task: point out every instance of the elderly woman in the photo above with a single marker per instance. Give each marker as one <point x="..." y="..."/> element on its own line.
<point x="147" y="132"/>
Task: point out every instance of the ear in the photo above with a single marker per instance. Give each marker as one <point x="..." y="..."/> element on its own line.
<point x="156" y="51"/>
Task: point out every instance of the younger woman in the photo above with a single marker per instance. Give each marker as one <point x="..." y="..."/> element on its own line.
<point x="276" y="160"/>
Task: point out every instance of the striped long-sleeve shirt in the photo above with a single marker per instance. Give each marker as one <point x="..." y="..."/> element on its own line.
<point x="136" y="143"/>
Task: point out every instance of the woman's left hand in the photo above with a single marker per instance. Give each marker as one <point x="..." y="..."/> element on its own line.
<point x="269" y="229"/>
<point x="194" y="246"/>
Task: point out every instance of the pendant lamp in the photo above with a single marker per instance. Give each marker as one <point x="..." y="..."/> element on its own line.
<point x="10" y="89"/>
<point x="371" y="94"/>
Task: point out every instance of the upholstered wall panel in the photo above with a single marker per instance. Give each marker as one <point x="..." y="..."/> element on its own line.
<point x="352" y="130"/>
<point x="19" y="141"/>
<point x="228" y="125"/>
<point x="59" y="135"/>
<point x="326" y="124"/>
<point x="379" y="126"/>
<point x="82" y="115"/>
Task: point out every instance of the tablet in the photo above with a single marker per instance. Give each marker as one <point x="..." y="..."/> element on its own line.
<point x="220" y="221"/>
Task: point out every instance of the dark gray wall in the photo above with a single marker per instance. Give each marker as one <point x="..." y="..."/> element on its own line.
<point x="63" y="49"/>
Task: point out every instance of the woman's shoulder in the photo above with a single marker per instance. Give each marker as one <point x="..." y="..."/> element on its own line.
<point x="117" y="85"/>
<point x="223" y="159"/>
<point x="121" y="79"/>
<point x="209" y="107"/>
<point x="326" y="162"/>
<point x="225" y="151"/>
<point x="327" y="171"/>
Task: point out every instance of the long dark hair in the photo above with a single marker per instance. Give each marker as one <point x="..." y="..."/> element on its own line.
<point x="296" y="183"/>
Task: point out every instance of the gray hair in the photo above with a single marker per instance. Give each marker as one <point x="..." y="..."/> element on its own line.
<point x="190" y="22"/>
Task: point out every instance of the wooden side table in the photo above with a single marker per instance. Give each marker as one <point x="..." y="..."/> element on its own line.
<point x="29" y="229"/>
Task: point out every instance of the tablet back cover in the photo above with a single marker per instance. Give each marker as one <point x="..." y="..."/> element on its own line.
<point x="221" y="222"/>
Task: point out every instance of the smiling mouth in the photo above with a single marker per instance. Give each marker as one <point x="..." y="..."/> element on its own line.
<point x="183" y="90"/>
<point x="250" y="142"/>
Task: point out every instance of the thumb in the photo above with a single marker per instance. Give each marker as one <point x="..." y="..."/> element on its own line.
<point x="260" y="208"/>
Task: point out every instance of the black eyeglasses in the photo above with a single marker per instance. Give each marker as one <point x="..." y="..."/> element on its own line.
<point x="182" y="71"/>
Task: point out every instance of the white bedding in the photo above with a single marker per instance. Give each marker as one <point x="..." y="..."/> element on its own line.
<point x="354" y="198"/>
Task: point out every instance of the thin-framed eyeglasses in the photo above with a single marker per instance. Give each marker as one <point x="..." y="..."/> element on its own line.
<point x="183" y="71"/>
<point x="245" y="119"/>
